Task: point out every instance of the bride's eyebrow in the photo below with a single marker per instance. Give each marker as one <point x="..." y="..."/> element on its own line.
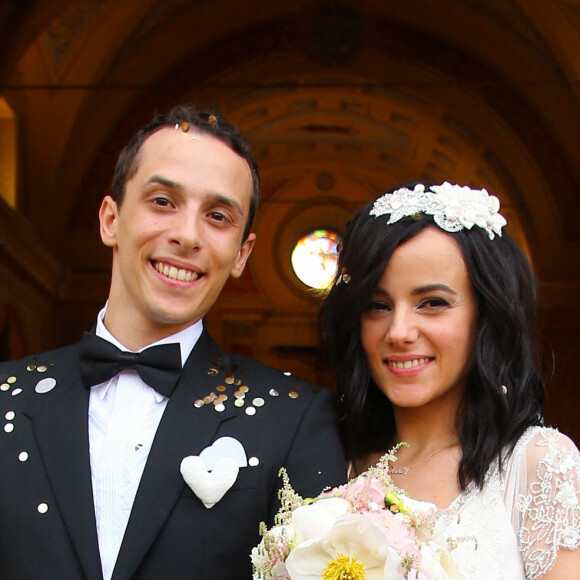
<point x="433" y="288"/>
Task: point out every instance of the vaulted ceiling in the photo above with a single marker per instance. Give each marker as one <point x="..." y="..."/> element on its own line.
<point x="339" y="100"/>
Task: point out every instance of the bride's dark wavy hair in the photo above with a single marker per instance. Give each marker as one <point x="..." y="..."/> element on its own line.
<point x="488" y="421"/>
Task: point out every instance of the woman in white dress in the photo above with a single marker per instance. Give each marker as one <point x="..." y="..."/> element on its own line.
<point x="429" y="331"/>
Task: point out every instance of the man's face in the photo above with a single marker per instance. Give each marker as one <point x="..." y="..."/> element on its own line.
<point x="177" y="236"/>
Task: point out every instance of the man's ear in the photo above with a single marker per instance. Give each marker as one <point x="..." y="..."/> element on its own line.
<point x="108" y="215"/>
<point x="243" y="255"/>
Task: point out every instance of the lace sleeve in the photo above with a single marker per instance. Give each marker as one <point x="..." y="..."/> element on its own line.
<point x="548" y="503"/>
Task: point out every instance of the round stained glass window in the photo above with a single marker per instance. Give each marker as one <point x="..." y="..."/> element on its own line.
<point x="315" y="257"/>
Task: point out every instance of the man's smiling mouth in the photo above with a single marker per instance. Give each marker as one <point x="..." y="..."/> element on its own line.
<point x="176" y="273"/>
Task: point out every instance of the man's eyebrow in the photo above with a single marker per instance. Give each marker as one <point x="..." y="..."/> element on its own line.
<point x="228" y="201"/>
<point x="162" y="181"/>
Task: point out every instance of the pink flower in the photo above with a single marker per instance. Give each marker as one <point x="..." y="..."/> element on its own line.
<point x="365" y="494"/>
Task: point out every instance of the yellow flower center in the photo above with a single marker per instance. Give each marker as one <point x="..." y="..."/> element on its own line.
<point x="344" y="568"/>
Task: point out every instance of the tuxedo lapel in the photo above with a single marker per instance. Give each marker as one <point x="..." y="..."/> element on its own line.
<point x="183" y="431"/>
<point x="61" y="431"/>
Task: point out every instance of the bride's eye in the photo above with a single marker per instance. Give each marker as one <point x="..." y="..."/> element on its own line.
<point x="378" y="306"/>
<point x="434" y="303"/>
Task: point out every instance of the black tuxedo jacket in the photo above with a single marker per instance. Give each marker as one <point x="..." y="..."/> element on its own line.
<point x="47" y="521"/>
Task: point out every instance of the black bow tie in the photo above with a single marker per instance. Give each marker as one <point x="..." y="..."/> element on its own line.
<point x="158" y="366"/>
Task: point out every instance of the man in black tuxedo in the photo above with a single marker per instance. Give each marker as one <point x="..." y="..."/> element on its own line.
<point x="125" y="466"/>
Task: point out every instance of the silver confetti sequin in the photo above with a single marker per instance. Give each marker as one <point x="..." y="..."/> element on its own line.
<point x="42" y="508"/>
<point x="9" y="427"/>
<point x="253" y="461"/>
<point x="10" y="415"/>
<point x="250" y="411"/>
<point x="258" y="402"/>
<point x="273" y="393"/>
<point x="220" y="407"/>
<point x="16" y="392"/>
<point x="45" y="385"/>
<point x="23" y="456"/>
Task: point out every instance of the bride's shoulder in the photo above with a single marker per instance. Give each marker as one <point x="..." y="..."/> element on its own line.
<point x="545" y="449"/>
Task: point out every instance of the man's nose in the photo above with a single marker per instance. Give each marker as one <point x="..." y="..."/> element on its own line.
<point x="186" y="229"/>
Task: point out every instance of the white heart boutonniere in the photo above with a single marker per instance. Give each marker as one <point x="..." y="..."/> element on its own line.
<point x="211" y="474"/>
<point x="209" y="486"/>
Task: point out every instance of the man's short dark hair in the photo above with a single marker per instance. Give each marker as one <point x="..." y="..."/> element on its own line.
<point x="210" y="122"/>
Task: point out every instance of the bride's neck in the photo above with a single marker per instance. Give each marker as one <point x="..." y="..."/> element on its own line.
<point x="424" y="430"/>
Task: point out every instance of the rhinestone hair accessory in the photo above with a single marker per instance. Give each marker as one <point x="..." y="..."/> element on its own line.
<point x="453" y="207"/>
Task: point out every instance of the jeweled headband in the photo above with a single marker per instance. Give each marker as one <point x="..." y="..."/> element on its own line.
<point x="453" y="207"/>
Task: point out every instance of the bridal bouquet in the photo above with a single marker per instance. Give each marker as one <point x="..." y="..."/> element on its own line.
<point x="367" y="529"/>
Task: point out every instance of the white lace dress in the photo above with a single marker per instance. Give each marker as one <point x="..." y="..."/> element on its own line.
<point x="514" y="527"/>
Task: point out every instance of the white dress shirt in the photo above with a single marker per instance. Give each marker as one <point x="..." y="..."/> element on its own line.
<point x="124" y="414"/>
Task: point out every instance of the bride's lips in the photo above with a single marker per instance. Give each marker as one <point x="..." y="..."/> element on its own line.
<point x="176" y="273"/>
<point x="410" y="365"/>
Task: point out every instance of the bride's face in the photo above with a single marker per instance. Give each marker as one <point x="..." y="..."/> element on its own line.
<point x="418" y="331"/>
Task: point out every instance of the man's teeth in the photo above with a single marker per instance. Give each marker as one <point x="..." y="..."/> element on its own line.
<point x="175" y="273"/>
<point x="408" y="363"/>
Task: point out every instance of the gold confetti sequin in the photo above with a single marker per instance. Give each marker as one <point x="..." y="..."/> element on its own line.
<point x="293" y="394"/>
<point x="220" y="388"/>
<point x="4" y="387"/>
<point x="212" y="119"/>
<point x="198" y="403"/>
<point x="239" y="402"/>
<point x="185" y="126"/>
<point x="31" y="367"/>
<point x="239" y="394"/>
<point x="11" y="380"/>
<point x="207" y="400"/>
<point x="42" y="368"/>
<point x="230" y="379"/>
<point x="212" y="371"/>
<point x="244" y="389"/>
<point x="238" y="382"/>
